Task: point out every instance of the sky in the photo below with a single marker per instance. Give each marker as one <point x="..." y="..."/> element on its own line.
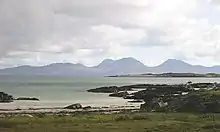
<point x="40" y="32"/>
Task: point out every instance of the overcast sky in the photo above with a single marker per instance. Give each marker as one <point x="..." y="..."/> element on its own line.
<point x="38" y="32"/>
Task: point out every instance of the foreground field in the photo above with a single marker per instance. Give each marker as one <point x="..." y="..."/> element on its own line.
<point x="138" y="122"/>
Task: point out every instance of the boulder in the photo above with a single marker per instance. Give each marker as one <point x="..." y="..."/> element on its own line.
<point x="27" y="115"/>
<point x="5" y="98"/>
<point x="74" y="106"/>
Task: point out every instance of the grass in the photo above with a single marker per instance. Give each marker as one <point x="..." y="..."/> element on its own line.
<point x="130" y="122"/>
<point x="213" y="92"/>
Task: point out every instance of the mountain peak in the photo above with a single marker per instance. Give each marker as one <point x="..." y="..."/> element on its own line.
<point x="174" y="65"/>
<point x="129" y="60"/>
<point x="122" y="66"/>
<point x="105" y="63"/>
<point x="174" y="62"/>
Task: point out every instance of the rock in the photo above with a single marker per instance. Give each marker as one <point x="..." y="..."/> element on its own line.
<point x="158" y="91"/>
<point x="194" y="102"/>
<point x="87" y="108"/>
<point x="119" y="94"/>
<point x="5" y="98"/>
<point x="135" y="101"/>
<point x="27" y="115"/>
<point x="155" y="105"/>
<point x="129" y="97"/>
<point x="111" y="89"/>
<point x="26" y="98"/>
<point x="74" y="106"/>
<point x="202" y="85"/>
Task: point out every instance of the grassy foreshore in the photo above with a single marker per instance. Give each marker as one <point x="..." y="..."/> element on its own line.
<point x="126" y="122"/>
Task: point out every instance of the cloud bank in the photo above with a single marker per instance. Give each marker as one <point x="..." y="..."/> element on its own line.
<point x="38" y="32"/>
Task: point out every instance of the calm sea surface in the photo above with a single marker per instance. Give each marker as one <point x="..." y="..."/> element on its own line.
<point x="62" y="91"/>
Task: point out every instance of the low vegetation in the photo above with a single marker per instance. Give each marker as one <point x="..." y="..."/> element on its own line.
<point x="128" y="122"/>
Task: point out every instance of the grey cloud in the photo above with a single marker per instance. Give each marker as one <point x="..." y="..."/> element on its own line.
<point x="23" y="25"/>
<point x="65" y="26"/>
<point x="154" y="37"/>
<point x="215" y="1"/>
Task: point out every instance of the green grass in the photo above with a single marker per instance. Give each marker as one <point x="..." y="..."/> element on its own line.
<point x="213" y="92"/>
<point x="138" y="122"/>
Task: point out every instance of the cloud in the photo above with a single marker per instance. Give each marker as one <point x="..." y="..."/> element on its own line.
<point x="45" y="31"/>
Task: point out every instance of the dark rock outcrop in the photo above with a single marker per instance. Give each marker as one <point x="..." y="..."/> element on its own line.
<point x="149" y="87"/>
<point x="27" y="98"/>
<point x="189" y="97"/>
<point x="74" y="106"/>
<point x="87" y="108"/>
<point x="135" y="101"/>
<point x="194" y="102"/>
<point x="119" y="94"/>
<point x="203" y="102"/>
<point x="158" y="91"/>
<point x="5" y="98"/>
<point x="202" y="85"/>
<point x="110" y="89"/>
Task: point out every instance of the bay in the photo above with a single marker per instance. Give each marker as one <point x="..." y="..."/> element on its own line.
<point x="62" y="91"/>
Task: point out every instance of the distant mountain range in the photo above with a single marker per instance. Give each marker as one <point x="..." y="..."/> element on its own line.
<point x="109" y="67"/>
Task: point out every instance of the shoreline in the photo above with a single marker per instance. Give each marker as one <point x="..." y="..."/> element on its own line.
<point x="160" y="94"/>
<point x="57" y="110"/>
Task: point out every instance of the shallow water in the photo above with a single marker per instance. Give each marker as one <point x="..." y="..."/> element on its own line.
<point x="62" y="91"/>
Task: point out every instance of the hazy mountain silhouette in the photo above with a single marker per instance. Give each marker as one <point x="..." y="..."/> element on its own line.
<point x="63" y="69"/>
<point x="173" y="65"/>
<point x="109" y="67"/>
<point x="122" y="66"/>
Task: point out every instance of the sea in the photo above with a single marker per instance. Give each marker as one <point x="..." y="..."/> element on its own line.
<point x="56" y="92"/>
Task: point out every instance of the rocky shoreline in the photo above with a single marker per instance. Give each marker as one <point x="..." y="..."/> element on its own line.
<point x="189" y="97"/>
<point x="76" y="107"/>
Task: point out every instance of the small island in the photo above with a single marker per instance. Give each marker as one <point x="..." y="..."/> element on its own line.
<point x="7" y="98"/>
<point x="208" y="75"/>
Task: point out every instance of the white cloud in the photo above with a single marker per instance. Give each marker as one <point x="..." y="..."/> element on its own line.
<point x="44" y="31"/>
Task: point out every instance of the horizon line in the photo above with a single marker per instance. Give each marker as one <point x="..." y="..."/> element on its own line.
<point x="72" y="63"/>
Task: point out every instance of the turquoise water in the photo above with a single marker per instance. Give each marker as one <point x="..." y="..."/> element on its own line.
<point x="61" y="91"/>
